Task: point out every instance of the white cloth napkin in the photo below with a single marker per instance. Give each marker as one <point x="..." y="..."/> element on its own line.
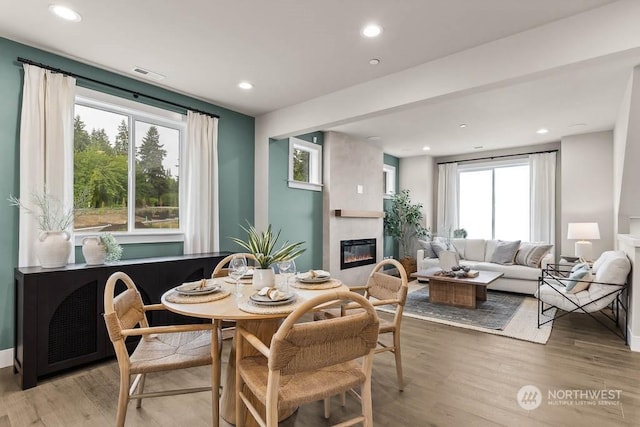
<point x="314" y="274"/>
<point x="273" y="293"/>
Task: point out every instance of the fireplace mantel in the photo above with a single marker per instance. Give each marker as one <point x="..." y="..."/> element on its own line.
<point x="344" y="213"/>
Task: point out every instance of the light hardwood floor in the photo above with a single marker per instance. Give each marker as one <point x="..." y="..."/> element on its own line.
<point x="453" y="377"/>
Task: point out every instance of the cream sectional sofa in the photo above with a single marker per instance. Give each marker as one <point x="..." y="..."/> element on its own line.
<point x="478" y="253"/>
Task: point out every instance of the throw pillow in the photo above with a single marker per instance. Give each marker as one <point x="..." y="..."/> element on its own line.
<point x="531" y="254"/>
<point x="579" y="266"/>
<point x="428" y="250"/>
<point x="579" y="281"/>
<point x="505" y="252"/>
<point x="438" y="247"/>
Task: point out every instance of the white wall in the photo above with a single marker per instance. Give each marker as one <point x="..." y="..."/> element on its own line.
<point x="628" y="155"/>
<point x="416" y="175"/>
<point x="619" y="145"/>
<point x="587" y="180"/>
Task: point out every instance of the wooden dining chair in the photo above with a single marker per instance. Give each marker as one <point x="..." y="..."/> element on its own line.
<point x="383" y="289"/>
<point x="161" y="348"/>
<point x="309" y="361"/>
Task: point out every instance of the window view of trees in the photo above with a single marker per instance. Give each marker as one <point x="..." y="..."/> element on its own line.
<point x="101" y="178"/>
<point x="301" y="165"/>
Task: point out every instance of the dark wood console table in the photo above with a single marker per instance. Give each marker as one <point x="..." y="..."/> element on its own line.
<point x="58" y="311"/>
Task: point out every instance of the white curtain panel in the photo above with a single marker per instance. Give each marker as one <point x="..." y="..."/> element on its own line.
<point x="542" y="170"/>
<point x="200" y="200"/>
<point x="447" y="220"/>
<point x="46" y="148"/>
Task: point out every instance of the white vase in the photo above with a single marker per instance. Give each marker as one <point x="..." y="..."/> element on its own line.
<point x="53" y="248"/>
<point x="93" y="250"/>
<point x="263" y="277"/>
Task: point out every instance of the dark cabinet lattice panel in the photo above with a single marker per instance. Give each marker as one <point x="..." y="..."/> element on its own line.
<point x="73" y="330"/>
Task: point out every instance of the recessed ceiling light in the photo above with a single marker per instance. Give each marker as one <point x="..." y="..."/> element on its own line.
<point x="372" y="30"/>
<point x="65" y="12"/>
<point x="245" y="85"/>
<point x="463" y="125"/>
<point x="542" y="131"/>
<point x="374" y="61"/>
<point x="425" y="148"/>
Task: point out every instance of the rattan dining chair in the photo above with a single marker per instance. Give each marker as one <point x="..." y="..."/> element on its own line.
<point x="161" y="348"/>
<point x="309" y="361"/>
<point x="391" y="291"/>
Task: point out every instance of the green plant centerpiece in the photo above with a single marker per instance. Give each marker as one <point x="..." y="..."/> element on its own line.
<point x="403" y="222"/>
<point x="263" y="246"/>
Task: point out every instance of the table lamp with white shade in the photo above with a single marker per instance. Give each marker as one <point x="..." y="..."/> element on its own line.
<point x="584" y="231"/>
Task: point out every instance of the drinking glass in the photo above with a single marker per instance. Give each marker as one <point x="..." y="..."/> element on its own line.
<point x="237" y="269"/>
<point x="287" y="269"/>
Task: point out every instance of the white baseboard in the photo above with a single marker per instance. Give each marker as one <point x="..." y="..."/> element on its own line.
<point x="634" y="341"/>
<point x="6" y="358"/>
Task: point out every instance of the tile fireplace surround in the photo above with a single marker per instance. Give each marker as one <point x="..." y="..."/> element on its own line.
<point x="348" y="165"/>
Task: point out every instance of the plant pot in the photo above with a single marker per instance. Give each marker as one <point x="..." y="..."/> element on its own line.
<point x="263" y="277"/>
<point x="410" y="264"/>
<point x="93" y="250"/>
<point x="53" y="248"/>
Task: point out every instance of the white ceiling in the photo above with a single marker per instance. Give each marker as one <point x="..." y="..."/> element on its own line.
<point x="295" y="50"/>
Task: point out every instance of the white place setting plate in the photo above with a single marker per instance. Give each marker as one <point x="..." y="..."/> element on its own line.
<point x="199" y="287"/>
<point x="318" y="276"/>
<point x="265" y="300"/>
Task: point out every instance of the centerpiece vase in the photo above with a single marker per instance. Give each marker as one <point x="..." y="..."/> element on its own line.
<point x="263" y="277"/>
<point x="53" y="248"/>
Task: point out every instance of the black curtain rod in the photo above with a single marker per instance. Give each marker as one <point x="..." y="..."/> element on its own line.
<point x="112" y="86"/>
<point x="497" y="157"/>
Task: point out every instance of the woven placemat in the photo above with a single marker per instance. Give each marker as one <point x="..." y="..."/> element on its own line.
<point x="250" y="307"/>
<point x="195" y="299"/>
<point x="331" y="283"/>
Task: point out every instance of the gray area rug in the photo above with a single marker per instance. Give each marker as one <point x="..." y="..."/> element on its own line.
<point x="516" y="315"/>
<point x="494" y="313"/>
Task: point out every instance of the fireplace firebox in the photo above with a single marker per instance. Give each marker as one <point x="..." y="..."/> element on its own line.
<point x="355" y="253"/>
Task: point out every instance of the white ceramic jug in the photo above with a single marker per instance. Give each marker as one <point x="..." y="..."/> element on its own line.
<point x="93" y="250"/>
<point x="263" y="277"/>
<point x="53" y="248"/>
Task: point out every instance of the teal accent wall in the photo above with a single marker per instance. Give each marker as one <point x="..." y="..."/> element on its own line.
<point x="298" y="213"/>
<point x="235" y="151"/>
<point x="142" y="250"/>
<point x="391" y="247"/>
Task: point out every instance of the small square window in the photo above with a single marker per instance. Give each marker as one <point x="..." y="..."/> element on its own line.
<point x="305" y="165"/>
<point x="388" y="181"/>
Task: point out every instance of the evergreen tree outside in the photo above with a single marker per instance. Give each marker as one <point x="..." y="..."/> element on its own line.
<point x="121" y="145"/>
<point x="301" y="159"/>
<point x="81" y="139"/>
<point x="152" y="184"/>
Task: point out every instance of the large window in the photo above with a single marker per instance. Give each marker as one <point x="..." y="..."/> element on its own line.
<point x="305" y="165"/>
<point x="494" y="200"/>
<point x="126" y="168"/>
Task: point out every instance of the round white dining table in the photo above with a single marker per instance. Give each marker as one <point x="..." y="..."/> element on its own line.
<point x="262" y="325"/>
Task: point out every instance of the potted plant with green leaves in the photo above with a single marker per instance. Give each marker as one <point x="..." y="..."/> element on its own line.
<point x="263" y="246"/>
<point x="403" y="221"/>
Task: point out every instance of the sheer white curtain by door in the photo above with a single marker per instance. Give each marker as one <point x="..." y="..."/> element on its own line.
<point x="200" y="197"/>
<point x="46" y="148"/>
<point x="542" y="170"/>
<point x="447" y="220"/>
